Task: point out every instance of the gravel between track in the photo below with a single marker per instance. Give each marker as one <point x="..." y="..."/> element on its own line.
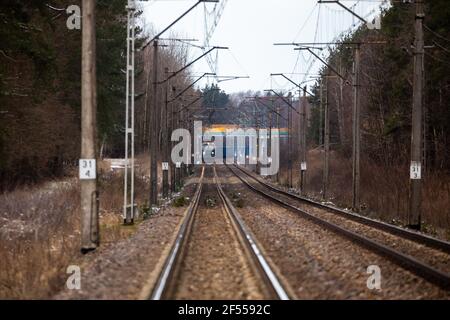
<point x="128" y="269"/>
<point x="436" y="258"/>
<point x="215" y="265"/>
<point x="316" y="262"/>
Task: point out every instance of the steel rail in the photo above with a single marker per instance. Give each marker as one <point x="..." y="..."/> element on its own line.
<point x="405" y="233"/>
<point x="162" y="285"/>
<point x="167" y="277"/>
<point x="267" y="274"/>
<point x="419" y="268"/>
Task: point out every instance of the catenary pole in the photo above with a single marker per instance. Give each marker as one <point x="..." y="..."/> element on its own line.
<point x="356" y="132"/>
<point x="153" y="131"/>
<point x="303" y="165"/>
<point x="417" y="121"/>
<point x="165" y="139"/>
<point x="326" y="142"/>
<point x="88" y="164"/>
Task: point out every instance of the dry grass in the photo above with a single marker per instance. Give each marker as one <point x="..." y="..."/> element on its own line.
<point x="39" y="236"/>
<point x="384" y="191"/>
<point x="40" y="233"/>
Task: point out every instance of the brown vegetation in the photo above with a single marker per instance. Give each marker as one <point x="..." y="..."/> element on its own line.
<point x="40" y="233"/>
<point x="384" y="191"/>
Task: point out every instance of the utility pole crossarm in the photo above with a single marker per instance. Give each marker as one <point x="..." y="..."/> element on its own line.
<point x="288" y="79"/>
<point x="250" y="117"/>
<point x="299" y="44"/>
<point x="284" y="100"/>
<point x="190" y="104"/>
<point x="191" y="85"/>
<point x="191" y="63"/>
<point x="291" y="81"/>
<point x="324" y="62"/>
<point x="232" y="78"/>
<point x="343" y="7"/>
<point x="267" y="106"/>
<point x="176" y="20"/>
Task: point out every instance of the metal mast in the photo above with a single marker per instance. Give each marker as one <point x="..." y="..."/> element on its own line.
<point x="129" y="205"/>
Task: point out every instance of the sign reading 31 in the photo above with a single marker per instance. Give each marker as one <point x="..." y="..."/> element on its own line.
<point x="88" y="169"/>
<point x="416" y="170"/>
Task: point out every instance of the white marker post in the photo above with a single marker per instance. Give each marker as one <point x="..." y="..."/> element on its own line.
<point x="303" y="166"/>
<point x="416" y="170"/>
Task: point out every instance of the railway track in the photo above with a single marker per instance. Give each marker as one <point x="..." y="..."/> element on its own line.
<point x="424" y="256"/>
<point x="408" y="234"/>
<point x="214" y="255"/>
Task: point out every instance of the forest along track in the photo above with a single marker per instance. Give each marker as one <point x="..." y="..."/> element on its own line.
<point x="427" y="262"/>
<point x="214" y="256"/>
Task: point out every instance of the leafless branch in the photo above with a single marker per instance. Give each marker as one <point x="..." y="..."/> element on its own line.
<point x="6" y="56"/>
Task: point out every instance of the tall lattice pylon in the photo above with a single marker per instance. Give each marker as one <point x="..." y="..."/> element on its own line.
<point x="216" y="13"/>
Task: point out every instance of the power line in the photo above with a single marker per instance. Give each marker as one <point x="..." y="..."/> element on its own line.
<point x="436" y="34"/>
<point x="306" y="21"/>
<point x="437" y="59"/>
<point x="441" y="47"/>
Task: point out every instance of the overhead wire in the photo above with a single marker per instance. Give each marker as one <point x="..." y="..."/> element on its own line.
<point x="437" y="59"/>
<point x="436" y="34"/>
<point x="441" y="47"/>
<point x="237" y="62"/>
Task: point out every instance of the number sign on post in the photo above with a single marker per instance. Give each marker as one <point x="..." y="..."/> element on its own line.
<point x="416" y="170"/>
<point x="88" y="169"/>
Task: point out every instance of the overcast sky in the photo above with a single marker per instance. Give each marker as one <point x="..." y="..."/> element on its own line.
<point x="251" y="27"/>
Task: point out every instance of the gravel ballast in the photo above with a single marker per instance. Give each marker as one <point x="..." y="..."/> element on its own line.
<point x="316" y="262"/>
<point x="128" y="269"/>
